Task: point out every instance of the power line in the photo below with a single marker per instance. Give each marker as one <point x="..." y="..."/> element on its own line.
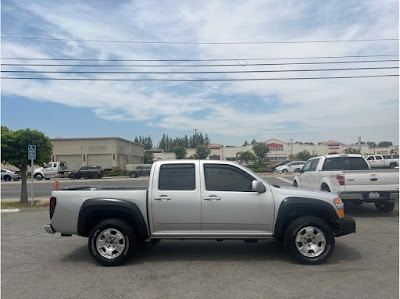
<point x="213" y="59"/>
<point x="205" y="72"/>
<point x="201" y="65"/>
<point x="201" y="43"/>
<point x="198" y="80"/>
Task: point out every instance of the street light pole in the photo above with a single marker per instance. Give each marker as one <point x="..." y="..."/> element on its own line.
<point x="291" y="147"/>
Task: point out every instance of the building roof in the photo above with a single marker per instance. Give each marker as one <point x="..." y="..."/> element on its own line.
<point x="332" y="142"/>
<point x="95" y="138"/>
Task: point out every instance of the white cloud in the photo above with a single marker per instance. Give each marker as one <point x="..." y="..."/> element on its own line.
<point x="312" y="109"/>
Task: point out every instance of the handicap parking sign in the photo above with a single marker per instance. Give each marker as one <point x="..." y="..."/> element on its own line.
<point x="31" y="152"/>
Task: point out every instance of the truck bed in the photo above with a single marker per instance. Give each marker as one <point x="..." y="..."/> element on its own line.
<point x="71" y="200"/>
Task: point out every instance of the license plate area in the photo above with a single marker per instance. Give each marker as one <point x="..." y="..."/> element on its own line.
<point x="373" y="195"/>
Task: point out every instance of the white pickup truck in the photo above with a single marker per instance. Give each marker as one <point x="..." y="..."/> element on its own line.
<point x="51" y="170"/>
<point x="200" y="199"/>
<point x="351" y="178"/>
<point x="382" y="161"/>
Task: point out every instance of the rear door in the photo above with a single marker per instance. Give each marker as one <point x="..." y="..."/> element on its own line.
<point x="229" y="207"/>
<point x="175" y="199"/>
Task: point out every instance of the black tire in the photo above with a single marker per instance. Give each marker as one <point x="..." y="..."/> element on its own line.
<point x="385" y="206"/>
<point x="295" y="184"/>
<point x="393" y="165"/>
<point x="285" y="171"/>
<point x="72" y="176"/>
<point x="38" y="176"/>
<point x="133" y="174"/>
<point x="95" y="176"/>
<point x="7" y="178"/>
<point x="297" y="227"/>
<point x="47" y="179"/>
<point x="357" y="202"/>
<point x="16" y="179"/>
<point x="113" y="224"/>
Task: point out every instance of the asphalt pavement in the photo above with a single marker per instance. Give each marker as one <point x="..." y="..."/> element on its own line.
<point x="39" y="265"/>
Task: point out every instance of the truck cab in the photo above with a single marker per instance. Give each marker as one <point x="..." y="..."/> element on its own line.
<point x="50" y="170"/>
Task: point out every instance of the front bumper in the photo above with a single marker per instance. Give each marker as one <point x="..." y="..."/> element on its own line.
<point x="49" y="229"/>
<point x="345" y="226"/>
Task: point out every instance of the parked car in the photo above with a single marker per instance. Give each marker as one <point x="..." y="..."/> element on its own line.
<point x="8" y="175"/>
<point x="142" y="171"/>
<point x="290" y="167"/>
<point x="352" y="179"/>
<point x="272" y="167"/>
<point x="87" y="172"/>
<point x="51" y="170"/>
<point x="200" y="199"/>
<point x="382" y="161"/>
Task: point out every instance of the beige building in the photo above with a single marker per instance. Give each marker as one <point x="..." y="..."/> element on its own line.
<point x="108" y="152"/>
<point x="279" y="150"/>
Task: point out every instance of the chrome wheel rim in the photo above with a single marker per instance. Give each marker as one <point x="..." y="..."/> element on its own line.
<point x="310" y="241"/>
<point x="110" y="243"/>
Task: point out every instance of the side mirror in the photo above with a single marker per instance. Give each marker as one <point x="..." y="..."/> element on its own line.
<point x="258" y="186"/>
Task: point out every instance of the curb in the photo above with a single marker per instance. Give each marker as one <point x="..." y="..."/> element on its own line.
<point x="10" y="211"/>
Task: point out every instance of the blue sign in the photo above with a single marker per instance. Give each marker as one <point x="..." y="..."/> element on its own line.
<point x="31" y="152"/>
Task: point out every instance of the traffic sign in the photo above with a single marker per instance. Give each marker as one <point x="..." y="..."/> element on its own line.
<point x="31" y="152"/>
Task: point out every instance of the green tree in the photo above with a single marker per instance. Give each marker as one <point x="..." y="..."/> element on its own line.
<point x="385" y="144"/>
<point x="148" y="157"/>
<point x="303" y="156"/>
<point x="247" y="156"/>
<point x="14" y="151"/>
<point x="351" y="151"/>
<point x="261" y="150"/>
<point x="253" y="142"/>
<point x="371" y="144"/>
<point x="202" y="152"/>
<point x="245" y="143"/>
<point x="180" y="152"/>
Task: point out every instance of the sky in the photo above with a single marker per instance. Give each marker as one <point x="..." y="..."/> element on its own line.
<point x="230" y="112"/>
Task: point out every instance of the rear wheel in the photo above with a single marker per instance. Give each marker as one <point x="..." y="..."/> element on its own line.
<point x="72" y="176"/>
<point x="385" y="206"/>
<point x="95" y="176"/>
<point x="325" y="187"/>
<point x="295" y="184"/>
<point x="133" y="174"/>
<point x="111" y="241"/>
<point x="309" y="240"/>
<point x="284" y="171"/>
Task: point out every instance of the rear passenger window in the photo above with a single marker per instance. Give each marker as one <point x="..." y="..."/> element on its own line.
<point x="177" y="177"/>
<point x="226" y="178"/>
<point x="378" y="158"/>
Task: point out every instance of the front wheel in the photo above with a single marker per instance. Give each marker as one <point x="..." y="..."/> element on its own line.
<point x="385" y="206"/>
<point x="285" y="171"/>
<point x="95" y="176"/>
<point x="38" y="176"/>
<point x="309" y="240"/>
<point x="7" y="178"/>
<point x="111" y="241"/>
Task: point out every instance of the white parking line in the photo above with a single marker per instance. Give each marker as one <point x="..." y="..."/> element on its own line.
<point x="285" y="180"/>
<point x="10" y="210"/>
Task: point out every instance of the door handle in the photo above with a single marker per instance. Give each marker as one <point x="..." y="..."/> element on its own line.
<point x="163" y="198"/>
<point x="212" y="197"/>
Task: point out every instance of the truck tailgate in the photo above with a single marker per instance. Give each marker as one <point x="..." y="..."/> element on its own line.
<point x="371" y="180"/>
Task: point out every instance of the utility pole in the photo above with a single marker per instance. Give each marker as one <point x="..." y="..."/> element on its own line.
<point x="291" y="147"/>
<point x="359" y="145"/>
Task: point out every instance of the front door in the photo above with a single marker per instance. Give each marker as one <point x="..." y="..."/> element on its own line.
<point x="229" y="207"/>
<point x="175" y="199"/>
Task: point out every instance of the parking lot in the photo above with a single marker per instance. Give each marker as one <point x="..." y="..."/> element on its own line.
<point x="38" y="265"/>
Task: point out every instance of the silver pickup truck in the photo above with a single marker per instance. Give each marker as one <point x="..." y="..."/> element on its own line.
<point x="352" y="179"/>
<point x="200" y="199"/>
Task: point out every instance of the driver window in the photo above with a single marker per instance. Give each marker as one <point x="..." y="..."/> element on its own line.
<point x="226" y="178"/>
<point x="307" y="166"/>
